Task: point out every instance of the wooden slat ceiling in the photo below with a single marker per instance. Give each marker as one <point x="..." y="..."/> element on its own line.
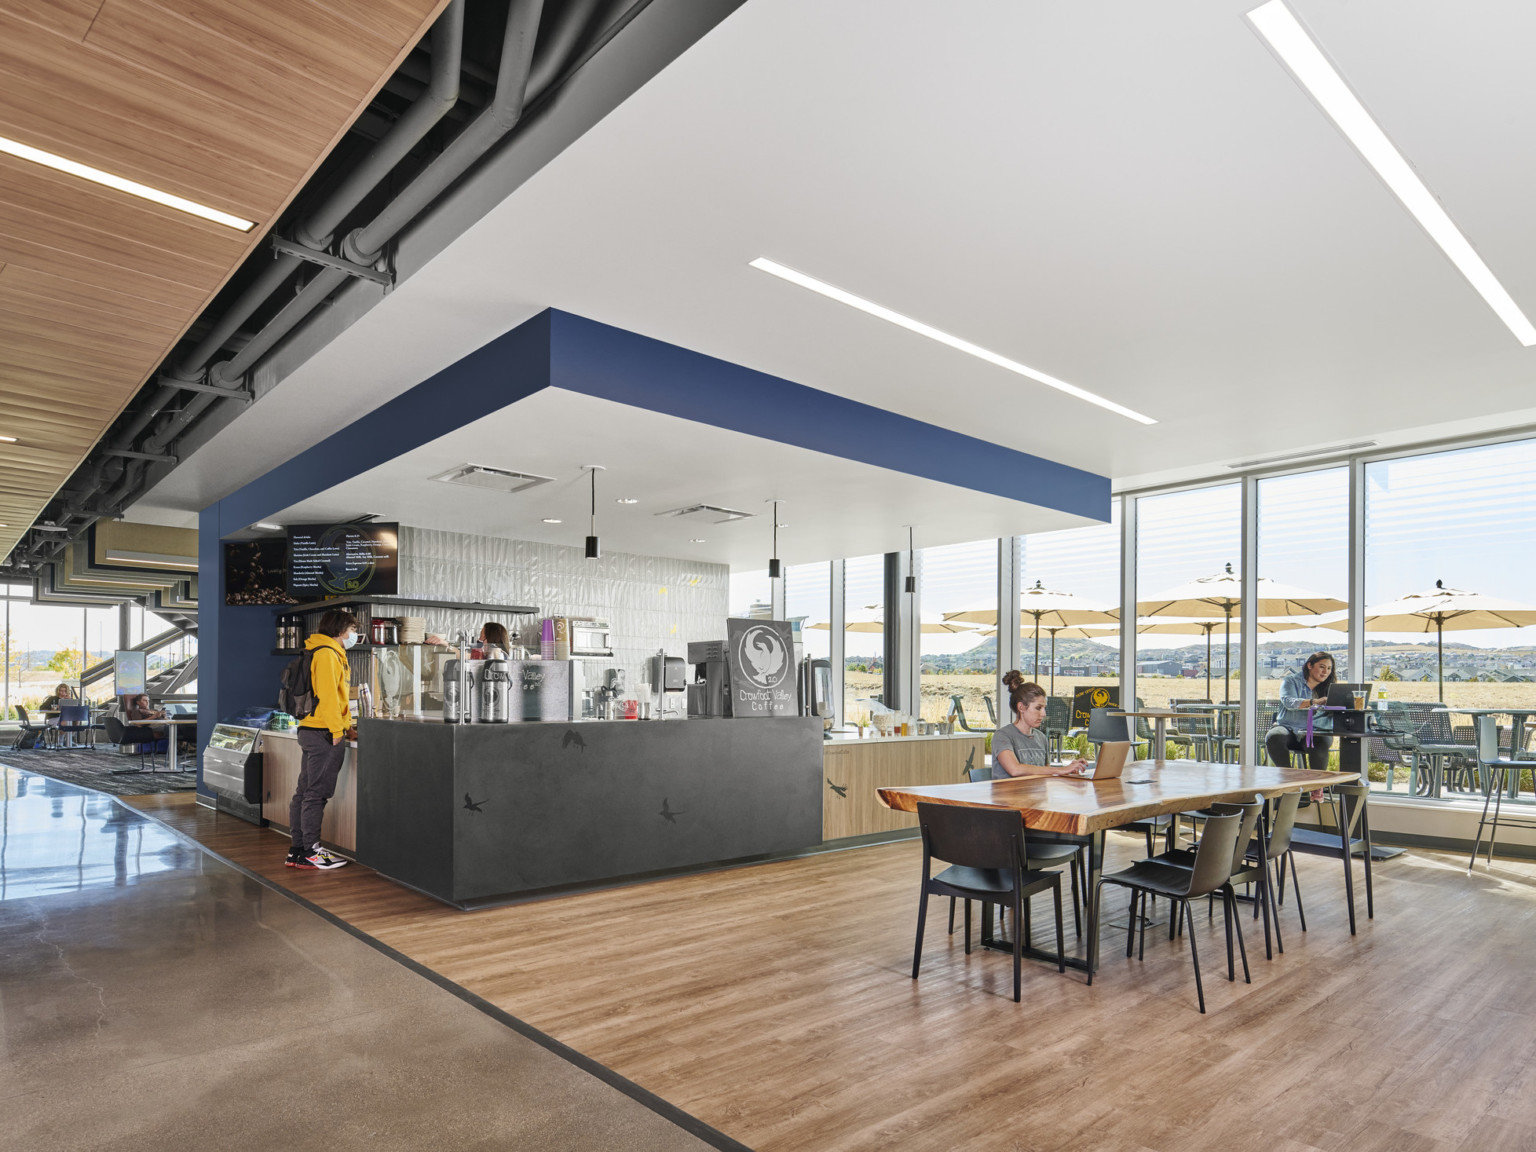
<point x="231" y="103"/>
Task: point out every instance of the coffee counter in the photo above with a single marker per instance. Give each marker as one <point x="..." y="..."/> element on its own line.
<point x="280" y="775"/>
<point x="476" y="813"/>
<point x="854" y="768"/>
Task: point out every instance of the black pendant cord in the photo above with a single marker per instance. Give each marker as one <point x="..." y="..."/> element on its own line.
<point x="594" y="549"/>
<point x="911" y="582"/>
<point x="775" y="570"/>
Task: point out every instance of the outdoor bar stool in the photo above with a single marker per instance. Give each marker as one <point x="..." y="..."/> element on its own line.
<point x="1209" y="872"/>
<point x="1494" y="769"/>
<point x="985" y="848"/>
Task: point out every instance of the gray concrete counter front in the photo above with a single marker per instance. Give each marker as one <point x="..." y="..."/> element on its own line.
<point x="469" y="814"/>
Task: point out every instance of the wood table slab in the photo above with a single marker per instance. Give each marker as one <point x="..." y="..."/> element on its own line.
<point x="1079" y="806"/>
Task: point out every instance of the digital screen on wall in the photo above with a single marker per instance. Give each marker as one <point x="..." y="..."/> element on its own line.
<point x="343" y="560"/>
<point x="256" y="572"/>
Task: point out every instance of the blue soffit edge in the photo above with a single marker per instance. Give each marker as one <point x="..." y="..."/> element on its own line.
<point x="610" y="363"/>
<point x="558" y="349"/>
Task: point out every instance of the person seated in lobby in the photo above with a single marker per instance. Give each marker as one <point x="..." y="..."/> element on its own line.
<point x="138" y="712"/>
<point x="1301" y="695"/>
<point x="62" y="694"/>
<point x="1020" y="748"/>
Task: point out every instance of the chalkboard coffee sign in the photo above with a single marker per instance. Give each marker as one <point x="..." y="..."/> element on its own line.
<point x="343" y="560"/>
<point x="762" y="662"/>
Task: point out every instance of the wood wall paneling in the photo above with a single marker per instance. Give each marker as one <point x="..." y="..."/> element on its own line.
<point x="855" y="768"/>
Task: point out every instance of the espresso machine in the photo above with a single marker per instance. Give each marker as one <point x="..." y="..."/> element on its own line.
<point x="709" y="696"/>
<point x="815" y="684"/>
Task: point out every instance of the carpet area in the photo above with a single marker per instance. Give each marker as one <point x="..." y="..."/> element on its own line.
<point x="93" y="768"/>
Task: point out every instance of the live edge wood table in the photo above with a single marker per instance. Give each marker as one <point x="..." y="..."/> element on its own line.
<point x="1081" y="806"/>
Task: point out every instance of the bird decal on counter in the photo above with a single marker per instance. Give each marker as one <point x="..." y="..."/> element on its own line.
<point x="573" y="737"/>
<point x="473" y="805"/>
<point x="667" y="813"/>
<point x="840" y="789"/>
<point x="970" y="761"/>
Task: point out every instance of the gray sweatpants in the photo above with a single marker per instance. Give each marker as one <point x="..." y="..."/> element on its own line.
<point x="317" y="783"/>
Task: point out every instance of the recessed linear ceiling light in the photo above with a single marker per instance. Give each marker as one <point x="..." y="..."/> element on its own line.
<point x="1300" y="53"/>
<point x="626" y="500"/>
<point x="552" y="520"/>
<point x="773" y="268"/>
<point x="270" y="527"/>
<point x="697" y="540"/>
<point x="492" y="479"/>
<point x="132" y="187"/>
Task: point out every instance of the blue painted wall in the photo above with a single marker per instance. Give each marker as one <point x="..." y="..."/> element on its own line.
<point x="557" y="349"/>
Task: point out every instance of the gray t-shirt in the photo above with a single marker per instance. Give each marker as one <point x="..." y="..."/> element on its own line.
<point x="1032" y="749"/>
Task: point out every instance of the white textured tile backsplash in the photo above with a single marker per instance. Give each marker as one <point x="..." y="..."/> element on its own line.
<point x="651" y="602"/>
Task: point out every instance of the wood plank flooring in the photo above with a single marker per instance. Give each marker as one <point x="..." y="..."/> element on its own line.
<point x="775" y="1003"/>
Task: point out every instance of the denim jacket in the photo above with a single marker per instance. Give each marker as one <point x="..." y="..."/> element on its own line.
<point x="1294" y="695"/>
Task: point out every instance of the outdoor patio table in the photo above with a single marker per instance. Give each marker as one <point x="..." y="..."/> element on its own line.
<point x="1081" y="806"/>
<point x="1518" y="718"/>
<point x="1159" y="718"/>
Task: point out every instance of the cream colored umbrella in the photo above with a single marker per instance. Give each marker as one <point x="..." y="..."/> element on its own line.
<point x="1041" y="607"/>
<point x="1073" y="632"/>
<point x="1223" y="592"/>
<point x="1439" y="609"/>
<point x="871" y="618"/>
<point x="1173" y="626"/>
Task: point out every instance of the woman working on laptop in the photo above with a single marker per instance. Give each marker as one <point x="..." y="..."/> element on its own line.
<point x="1020" y="748"/>
<point x="1301" y="694"/>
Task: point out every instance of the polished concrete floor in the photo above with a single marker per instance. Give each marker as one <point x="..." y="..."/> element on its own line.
<point x="154" y="997"/>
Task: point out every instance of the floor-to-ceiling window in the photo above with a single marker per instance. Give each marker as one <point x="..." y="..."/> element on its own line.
<point x="958" y="660"/>
<point x="1189" y="589"/>
<point x="808" y="602"/>
<point x="751" y="595"/>
<point x="863" y="636"/>
<point x="1303" y="525"/>
<point x="1078" y="569"/>
<point x="1458" y="522"/>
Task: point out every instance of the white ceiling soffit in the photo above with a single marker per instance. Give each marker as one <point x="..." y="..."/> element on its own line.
<point x="1136" y="198"/>
<point x="830" y="507"/>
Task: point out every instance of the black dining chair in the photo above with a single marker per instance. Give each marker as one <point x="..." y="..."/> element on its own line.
<point x="30" y="734"/>
<point x="986" y="853"/>
<point x="1350" y="804"/>
<point x="120" y="734"/>
<point x="1209" y="872"/>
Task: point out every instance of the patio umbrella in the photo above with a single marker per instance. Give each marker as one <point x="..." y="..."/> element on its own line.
<point x="1224" y="592"/>
<point x="1439" y="609"/>
<point x="1043" y="608"/>
<point x="1074" y="632"/>
<point x="871" y="618"/>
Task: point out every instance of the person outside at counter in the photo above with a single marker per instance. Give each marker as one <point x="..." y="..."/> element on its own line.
<point x="1301" y="694"/>
<point x="322" y="738"/>
<point x="494" y="635"/>
<point x="1020" y="748"/>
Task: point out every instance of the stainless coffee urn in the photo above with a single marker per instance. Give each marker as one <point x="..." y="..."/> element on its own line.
<point x="451" y="702"/>
<point x="494" y="685"/>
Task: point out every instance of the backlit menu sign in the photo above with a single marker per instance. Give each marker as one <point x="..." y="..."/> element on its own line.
<point x="343" y="560"/>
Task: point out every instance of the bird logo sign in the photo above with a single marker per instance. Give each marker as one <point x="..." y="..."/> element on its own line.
<point x="762" y="668"/>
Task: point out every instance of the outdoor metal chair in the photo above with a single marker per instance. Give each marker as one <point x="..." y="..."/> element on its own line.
<point x="1494" y="768"/>
<point x="1451" y="761"/>
<point x="1058" y="720"/>
<point x="1193" y="731"/>
<point x="957" y="714"/>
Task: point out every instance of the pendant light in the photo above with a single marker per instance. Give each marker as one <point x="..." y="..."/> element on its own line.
<point x="775" y="570"/>
<point x="911" y="582"/>
<point x="594" y="550"/>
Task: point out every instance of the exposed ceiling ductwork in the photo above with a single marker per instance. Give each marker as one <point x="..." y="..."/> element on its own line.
<point x="458" y="96"/>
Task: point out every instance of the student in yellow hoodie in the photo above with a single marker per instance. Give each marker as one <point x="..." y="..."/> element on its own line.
<point x="322" y="738"/>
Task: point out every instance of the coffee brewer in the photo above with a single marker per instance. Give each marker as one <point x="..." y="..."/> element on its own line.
<point x="494" y="685"/>
<point x="710" y="693"/>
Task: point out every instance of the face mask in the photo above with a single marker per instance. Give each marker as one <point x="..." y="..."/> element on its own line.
<point x="349" y="639"/>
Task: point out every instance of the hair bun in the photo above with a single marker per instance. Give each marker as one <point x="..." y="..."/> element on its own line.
<point x="1013" y="679"/>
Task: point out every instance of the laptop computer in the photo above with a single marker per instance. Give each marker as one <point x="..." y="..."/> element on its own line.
<point x="1343" y="695"/>
<point x="1113" y="756"/>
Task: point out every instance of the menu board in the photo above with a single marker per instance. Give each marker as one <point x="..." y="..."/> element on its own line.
<point x="343" y="560"/>
<point x="255" y="572"/>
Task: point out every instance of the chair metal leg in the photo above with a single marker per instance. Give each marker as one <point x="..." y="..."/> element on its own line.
<point x="1296" y="887"/>
<point x="951" y="915"/>
<point x="1194" y="953"/>
<point x="1077" y="914"/>
<point x="1130" y="922"/>
<point x="1018" y="946"/>
<point x="1242" y="949"/>
<point x="967" y="927"/>
<point x="922" y="916"/>
<point x="1061" y="935"/>
<point x="1476" y="844"/>
<point x="1141" y="948"/>
<point x="1226" y="920"/>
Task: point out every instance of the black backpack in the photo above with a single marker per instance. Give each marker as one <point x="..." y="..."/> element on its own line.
<point x="296" y="693"/>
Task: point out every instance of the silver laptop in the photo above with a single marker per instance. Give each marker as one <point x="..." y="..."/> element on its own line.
<point x="1113" y="757"/>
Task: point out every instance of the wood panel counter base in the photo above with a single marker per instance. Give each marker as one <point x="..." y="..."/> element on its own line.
<point x="470" y="814"/>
